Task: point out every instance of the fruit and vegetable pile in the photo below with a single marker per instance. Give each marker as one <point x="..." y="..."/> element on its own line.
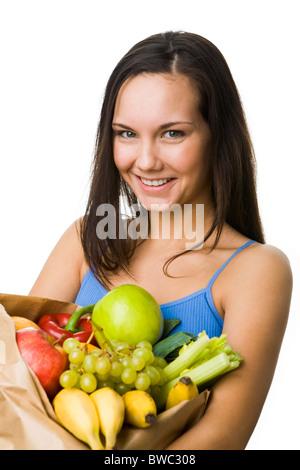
<point x="118" y="363"/>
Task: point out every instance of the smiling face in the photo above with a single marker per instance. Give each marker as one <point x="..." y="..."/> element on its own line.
<point x="161" y="141"/>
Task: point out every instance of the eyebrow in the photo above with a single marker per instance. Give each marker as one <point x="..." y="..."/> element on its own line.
<point x="163" y="126"/>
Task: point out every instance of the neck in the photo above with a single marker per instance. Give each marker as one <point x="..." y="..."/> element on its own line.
<point x="181" y="225"/>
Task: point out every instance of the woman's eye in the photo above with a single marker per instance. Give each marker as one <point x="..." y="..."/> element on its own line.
<point x="174" y="134"/>
<point x="126" y="134"/>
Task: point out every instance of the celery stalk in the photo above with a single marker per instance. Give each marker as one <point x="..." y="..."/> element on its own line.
<point x="204" y="361"/>
<point x="209" y="369"/>
<point x="204" y="373"/>
<point x="189" y="355"/>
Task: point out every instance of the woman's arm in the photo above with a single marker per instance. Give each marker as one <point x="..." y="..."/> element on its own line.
<point x="60" y="277"/>
<point x="256" y="311"/>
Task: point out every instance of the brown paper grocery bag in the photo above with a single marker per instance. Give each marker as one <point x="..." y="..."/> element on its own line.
<point x="170" y="424"/>
<point x="27" y="419"/>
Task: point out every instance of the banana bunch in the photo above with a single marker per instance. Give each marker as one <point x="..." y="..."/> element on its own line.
<point x="184" y="389"/>
<point x="102" y="412"/>
<point x="86" y="416"/>
<point x="77" y="413"/>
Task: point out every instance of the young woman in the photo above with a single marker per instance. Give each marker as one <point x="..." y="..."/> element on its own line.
<point x="172" y="133"/>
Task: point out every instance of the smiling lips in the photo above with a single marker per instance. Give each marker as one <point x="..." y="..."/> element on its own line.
<point x="156" y="184"/>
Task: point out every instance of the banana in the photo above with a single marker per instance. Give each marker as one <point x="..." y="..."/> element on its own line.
<point x="140" y="408"/>
<point x="77" y="413"/>
<point x="111" y="412"/>
<point x="184" y="389"/>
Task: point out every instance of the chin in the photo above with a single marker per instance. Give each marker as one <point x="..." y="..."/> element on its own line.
<point x="157" y="206"/>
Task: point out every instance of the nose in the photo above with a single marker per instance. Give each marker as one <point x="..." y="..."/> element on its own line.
<point x="148" y="158"/>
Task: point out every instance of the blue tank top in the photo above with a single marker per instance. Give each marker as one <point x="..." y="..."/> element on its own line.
<point x="196" y="311"/>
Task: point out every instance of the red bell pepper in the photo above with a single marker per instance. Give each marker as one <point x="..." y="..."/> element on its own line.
<point x="64" y="325"/>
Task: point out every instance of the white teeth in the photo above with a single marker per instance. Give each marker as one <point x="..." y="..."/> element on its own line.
<point x="155" y="182"/>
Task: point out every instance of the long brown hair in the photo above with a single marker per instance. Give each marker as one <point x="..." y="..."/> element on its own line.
<point x="233" y="161"/>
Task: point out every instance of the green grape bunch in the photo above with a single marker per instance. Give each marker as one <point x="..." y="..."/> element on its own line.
<point x="116" y="365"/>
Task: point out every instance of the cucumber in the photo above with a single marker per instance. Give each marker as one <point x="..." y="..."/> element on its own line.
<point x="167" y="345"/>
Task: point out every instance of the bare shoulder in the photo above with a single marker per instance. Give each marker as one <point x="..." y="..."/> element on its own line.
<point x="265" y="261"/>
<point x="69" y="245"/>
<point x="258" y="266"/>
<point x="270" y="251"/>
<point x="259" y="285"/>
<point x="60" y="276"/>
<point x="72" y="232"/>
<point x="257" y="261"/>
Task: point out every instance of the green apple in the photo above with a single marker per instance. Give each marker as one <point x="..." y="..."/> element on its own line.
<point x="130" y="314"/>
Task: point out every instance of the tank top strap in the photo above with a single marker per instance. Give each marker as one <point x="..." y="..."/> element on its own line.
<point x="214" y="277"/>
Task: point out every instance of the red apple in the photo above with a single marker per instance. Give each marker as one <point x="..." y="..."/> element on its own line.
<point x="45" y="358"/>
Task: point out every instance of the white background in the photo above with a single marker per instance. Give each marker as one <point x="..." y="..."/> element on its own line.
<point x="56" y="57"/>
